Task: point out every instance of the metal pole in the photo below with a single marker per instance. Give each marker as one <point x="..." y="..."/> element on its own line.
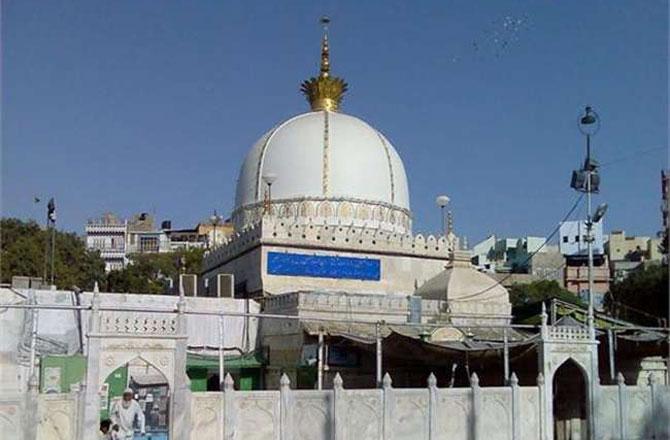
<point x="319" y="364"/>
<point x="443" y="231"/>
<point x="553" y="311"/>
<point x="33" y="341"/>
<point x="379" y="353"/>
<point x="53" y="250"/>
<point x="589" y="232"/>
<point x="610" y="346"/>
<point x="221" y="353"/>
<point x="506" y="354"/>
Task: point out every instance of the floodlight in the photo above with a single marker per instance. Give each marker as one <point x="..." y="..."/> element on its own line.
<point x="269" y="178"/>
<point x="600" y="213"/>
<point x="442" y="201"/>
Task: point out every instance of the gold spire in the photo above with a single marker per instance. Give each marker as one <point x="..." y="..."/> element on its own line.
<point x="324" y="92"/>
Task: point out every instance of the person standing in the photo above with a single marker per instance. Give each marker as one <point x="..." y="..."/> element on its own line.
<point x="124" y="413"/>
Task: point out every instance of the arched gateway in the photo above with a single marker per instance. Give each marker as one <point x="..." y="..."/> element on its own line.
<point x="569" y="362"/>
<point x="117" y="337"/>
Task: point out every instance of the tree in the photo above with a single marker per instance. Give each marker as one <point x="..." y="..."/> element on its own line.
<point x="642" y="296"/>
<point x="22" y="245"/>
<point x="151" y="273"/>
<point x="527" y="299"/>
<point x="542" y="290"/>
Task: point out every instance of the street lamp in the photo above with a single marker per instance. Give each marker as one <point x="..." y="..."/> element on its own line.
<point x="587" y="180"/>
<point x="442" y="201"/>
<point x="269" y="179"/>
<point x="215" y="219"/>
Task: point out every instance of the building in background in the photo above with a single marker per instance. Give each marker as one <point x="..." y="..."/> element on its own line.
<point x="574" y="247"/>
<point x="528" y="258"/>
<point x="116" y="239"/>
<point x="627" y="253"/>
<point x="483" y="254"/>
<point x="205" y="235"/>
<point x="144" y="238"/>
<point x="216" y="232"/>
<point x="107" y="235"/>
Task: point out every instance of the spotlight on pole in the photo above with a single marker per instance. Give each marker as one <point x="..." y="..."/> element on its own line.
<point x="589" y="122"/>
<point x="269" y="179"/>
<point x="587" y="180"/>
<point x="442" y="201"/>
<point x="600" y="213"/>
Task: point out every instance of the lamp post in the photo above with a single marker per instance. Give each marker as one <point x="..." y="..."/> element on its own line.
<point x="269" y="179"/>
<point x="587" y="180"/>
<point x="442" y="201"/>
<point x="215" y="218"/>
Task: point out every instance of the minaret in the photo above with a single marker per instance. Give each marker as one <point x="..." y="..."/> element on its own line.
<point x="324" y="92"/>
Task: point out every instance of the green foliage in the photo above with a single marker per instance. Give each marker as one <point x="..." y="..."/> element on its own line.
<point x="151" y="273"/>
<point x="22" y="246"/>
<point x="532" y="293"/>
<point x="527" y="299"/>
<point x="641" y="297"/>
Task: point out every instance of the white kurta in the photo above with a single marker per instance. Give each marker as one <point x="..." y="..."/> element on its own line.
<point x="125" y="418"/>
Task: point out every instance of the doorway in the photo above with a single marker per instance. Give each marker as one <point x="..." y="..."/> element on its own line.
<point x="150" y="394"/>
<point x="570" y="402"/>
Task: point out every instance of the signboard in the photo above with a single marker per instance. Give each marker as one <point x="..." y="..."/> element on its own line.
<point x="52" y="379"/>
<point x="322" y="266"/>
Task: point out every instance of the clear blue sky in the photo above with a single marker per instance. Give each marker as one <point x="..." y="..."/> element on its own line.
<point x="145" y="105"/>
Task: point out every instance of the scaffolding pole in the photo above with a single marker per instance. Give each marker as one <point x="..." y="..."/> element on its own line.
<point x="506" y="355"/>
<point x="221" y="352"/>
<point x="379" y="354"/>
<point x="319" y="372"/>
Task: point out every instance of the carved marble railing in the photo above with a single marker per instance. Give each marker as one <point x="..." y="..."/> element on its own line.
<point x="569" y="333"/>
<point x="137" y="323"/>
<point x="271" y="230"/>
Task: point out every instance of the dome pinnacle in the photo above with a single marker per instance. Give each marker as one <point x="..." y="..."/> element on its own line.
<point x="324" y="92"/>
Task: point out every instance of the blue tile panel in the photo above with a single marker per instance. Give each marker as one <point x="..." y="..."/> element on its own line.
<point x="321" y="266"/>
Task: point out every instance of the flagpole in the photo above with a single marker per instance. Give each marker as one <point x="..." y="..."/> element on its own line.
<point x="53" y="249"/>
<point x="51" y="220"/>
<point x="46" y="248"/>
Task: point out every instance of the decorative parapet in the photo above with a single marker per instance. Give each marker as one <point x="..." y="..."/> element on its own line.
<point x="394" y="308"/>
<point x="565" y="333"/>
<point x="328" y="210"/>
<point x="137" y="323"/>
<point x="347" y="238"/>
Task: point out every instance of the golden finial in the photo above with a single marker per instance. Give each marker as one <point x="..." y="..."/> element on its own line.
<point x="324" y="92"/>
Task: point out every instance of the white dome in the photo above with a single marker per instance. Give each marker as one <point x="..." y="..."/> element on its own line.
<point x="325" y="156"/>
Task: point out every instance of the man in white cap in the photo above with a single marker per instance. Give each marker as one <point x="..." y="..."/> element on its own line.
<point x="124" y="413"/>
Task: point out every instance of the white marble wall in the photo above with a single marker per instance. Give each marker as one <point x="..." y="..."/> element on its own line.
<point x="633" y="412"/>
<point x="369" y="414"/>
<point x="407" y="260"/>
<point x="511" y="413"/>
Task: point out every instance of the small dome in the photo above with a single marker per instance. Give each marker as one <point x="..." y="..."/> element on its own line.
<point x="461" y="282"/>
<point x="325" y="156"/>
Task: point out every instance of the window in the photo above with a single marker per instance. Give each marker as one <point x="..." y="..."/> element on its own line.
<point x="576" y="238"/>
<point x="565" y="239"/>
<point x="148" y="244"/>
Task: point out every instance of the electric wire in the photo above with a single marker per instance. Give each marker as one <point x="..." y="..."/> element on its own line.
<point x="530" y="256"/>
<point x="633" y="154"/>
